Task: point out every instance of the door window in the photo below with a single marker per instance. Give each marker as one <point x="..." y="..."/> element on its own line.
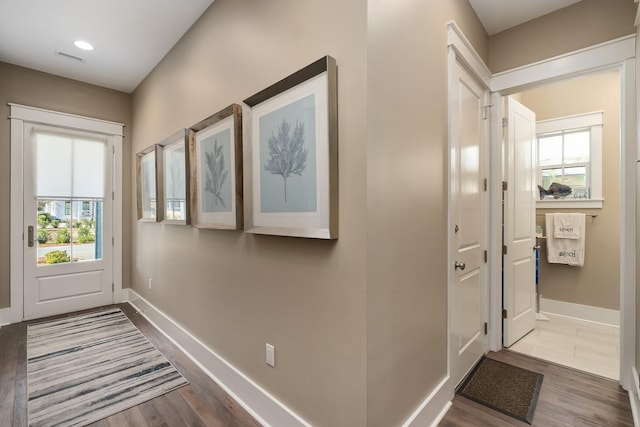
<point x="69" y="188"/>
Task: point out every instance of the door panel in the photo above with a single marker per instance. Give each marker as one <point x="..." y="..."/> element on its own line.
<point x="50" y="288"/>
<point x="468" y="133"/>
<point x="519" y="223"/>
<point x="67" y="219"/>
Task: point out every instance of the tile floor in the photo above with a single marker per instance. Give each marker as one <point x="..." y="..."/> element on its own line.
<point x="587" y="346"/>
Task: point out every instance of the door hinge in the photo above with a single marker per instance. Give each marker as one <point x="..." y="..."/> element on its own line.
<point x="486" y="328"/>
<point x="485" y="112"/>
<point x="113" y="195"/>
<point x="113" y="289"/>
<point x="486" y="184"/>
<point x="113" y="241"/>
<point x="504" y="249"/>
<point x="504" y="313"/>
<point x="505" y="186"/>
<point x="505" y="122"/>
<point x="486" y="256"/>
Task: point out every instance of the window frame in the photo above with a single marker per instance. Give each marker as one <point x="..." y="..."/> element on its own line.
<point x="594" y="122"/>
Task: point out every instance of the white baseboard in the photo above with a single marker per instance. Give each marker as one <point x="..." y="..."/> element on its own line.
<point x="121" y="296"/>
<point x="583" y="312"/>
<point x="433" y="409"/>
<point x="266" y="409"/>
<point x="634" y="393"/>
<point x="9" y="316"/>
<point x="5" y="316"/>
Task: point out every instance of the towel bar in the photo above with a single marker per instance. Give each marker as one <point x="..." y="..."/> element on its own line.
<point x="591" y="215"/>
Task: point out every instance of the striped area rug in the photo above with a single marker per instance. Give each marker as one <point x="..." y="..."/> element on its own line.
<point x="84" y="368"/>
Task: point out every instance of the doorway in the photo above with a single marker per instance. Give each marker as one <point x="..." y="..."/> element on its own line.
<point x="66" y="212"/>
<point x="578" y="142"/>
<point x="618" y="54"/>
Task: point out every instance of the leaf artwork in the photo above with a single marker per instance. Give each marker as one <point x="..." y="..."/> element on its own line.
<point x="288" y="153"/>
<point x="216" y="173"/>
<point x="176" y="175"/>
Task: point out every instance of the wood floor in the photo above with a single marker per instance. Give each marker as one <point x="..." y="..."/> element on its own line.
<point x="568" y="398"/>
<point x="201" y="403"/>
<point x="587" y="346"/>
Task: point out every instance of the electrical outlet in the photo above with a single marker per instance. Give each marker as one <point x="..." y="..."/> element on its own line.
<point x="271" y="355"/>
<point x="150" y="282"/>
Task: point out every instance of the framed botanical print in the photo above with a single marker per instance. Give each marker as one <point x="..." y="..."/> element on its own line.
<point x="174" y="178"/>
<point x="216" y="171"/>
<point x="294" y="155"/>
<point x="147" y="200"/>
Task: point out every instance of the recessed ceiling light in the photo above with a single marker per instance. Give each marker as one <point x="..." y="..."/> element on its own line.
<point x="83" y="45"/>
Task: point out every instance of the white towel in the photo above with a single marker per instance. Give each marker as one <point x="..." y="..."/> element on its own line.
<point x="563" y="251"/>
<point x="568" y="225"/>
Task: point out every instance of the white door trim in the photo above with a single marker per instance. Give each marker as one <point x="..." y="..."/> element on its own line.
<point x="616" y="54"/>
<point x="604" y="55"/>
<point x="19" y="115"/>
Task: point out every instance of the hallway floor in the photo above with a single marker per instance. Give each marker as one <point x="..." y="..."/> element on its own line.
<point x="200" y="403"/>
<point x="568" y="398"/>
<point x="578" y="344"/>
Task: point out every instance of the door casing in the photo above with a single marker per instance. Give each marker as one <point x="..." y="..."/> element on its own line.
<point x="460" y="50"/>
<point x="19" y="115"/>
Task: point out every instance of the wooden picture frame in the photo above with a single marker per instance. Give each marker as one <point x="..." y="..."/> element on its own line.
<point x="173" y="178"/>
<point x="147" y="184"/>
<point x="293" y="155"/>
<point x="216" y="165"/>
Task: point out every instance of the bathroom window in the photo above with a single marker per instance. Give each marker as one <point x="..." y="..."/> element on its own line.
<point x="570" y="153"/>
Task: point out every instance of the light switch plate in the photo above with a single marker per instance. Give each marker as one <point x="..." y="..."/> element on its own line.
<point x="271" y="355"/>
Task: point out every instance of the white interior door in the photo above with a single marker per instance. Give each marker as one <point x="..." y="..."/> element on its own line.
<point x="519" y="292"/>
<point x="68" y="227"/>
<point x="468" y="135"/>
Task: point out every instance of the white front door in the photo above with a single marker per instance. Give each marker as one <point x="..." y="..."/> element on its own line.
<point x="467" y="284"/>
<point x="68" y="227"/>
<point x="519" y="292"/>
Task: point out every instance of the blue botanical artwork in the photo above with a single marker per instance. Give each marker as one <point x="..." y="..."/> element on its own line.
<point x="148" y="185"/>
<point x="175" y="174"/>
<point x="288" y="158"/>
<point x="215" y="152"/>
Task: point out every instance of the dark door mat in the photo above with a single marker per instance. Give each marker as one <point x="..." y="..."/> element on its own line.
<point x="511" y="390"/>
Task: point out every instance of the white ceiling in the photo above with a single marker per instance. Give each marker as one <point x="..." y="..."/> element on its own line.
<point x="132" y="36"/>
<point x="499" y="15"/>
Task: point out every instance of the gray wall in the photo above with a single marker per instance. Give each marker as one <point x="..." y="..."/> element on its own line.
<point x="359" y="324"/>
<point x="580" y="25"/>
<point x="637" y="355"/>
<point x="597" y="283"/>
<point x="237" y="291"/>
<point x="407" y="201"/>
<point x="33" y="88"/>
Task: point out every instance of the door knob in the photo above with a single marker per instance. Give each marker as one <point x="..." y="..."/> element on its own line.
<point x="460" y="265"/>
